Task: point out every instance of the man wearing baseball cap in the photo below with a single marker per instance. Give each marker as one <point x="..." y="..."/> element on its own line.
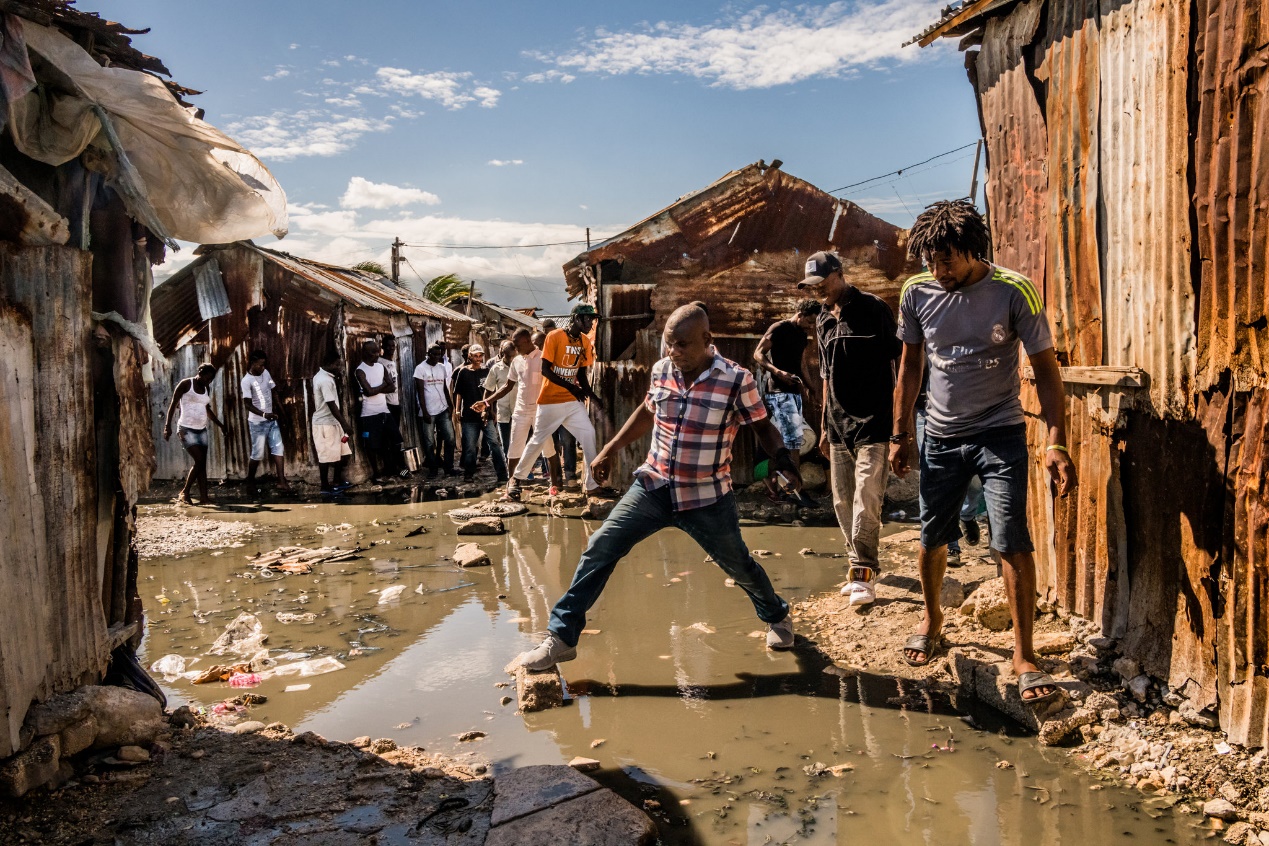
<point x="567" y="356"/>
<point x="858" y="350"/>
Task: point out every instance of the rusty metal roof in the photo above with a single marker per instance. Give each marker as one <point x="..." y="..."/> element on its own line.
<point x="358" y="287"/>
<point x="514" y="315"/>
<point x="955" y="20"/>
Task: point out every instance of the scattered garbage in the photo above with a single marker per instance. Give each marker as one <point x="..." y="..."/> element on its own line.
<point x="245" y="680"/>
<point x="388" y="594"/>
<point x="323" y="528"/>
<point x="220" y="672"/>
<point x="296" y="688"/>
<point x="311" y="667"/>
<point x="171" y="667"/>
<point x="288" y="617"/>
<point x="703" y="627"/>
<point x="244" y="636"/>
<point x="298" y="560"/>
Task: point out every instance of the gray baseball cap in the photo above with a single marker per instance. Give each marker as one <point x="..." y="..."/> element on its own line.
<point x="818" y="266"/>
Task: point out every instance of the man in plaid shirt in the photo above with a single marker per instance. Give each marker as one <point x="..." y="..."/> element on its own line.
<point x="697" y="402"/>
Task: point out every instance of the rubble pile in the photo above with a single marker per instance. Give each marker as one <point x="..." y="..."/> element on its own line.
<point x="167" y="536"/>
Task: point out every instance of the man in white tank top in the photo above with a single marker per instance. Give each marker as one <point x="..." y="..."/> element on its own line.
<point x="378" y="430"/>
<point x="193" y="398"/>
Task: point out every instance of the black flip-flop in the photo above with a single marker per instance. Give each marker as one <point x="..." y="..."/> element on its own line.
<point x="1033" y="681"/>
<point x="920" y="643"/>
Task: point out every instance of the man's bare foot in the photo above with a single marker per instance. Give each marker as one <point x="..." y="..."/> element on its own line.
<point x="929" y="626"/>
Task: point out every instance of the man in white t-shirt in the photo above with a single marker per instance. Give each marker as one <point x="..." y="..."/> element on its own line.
<point x="262" y="423"/>
<point x="330" y="429"/>
<point x="381" y="438"/>
<point x="525" y="379"/>
<point x="431" y="387"/>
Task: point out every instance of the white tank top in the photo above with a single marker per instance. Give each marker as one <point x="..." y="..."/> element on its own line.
<point x="194" y="409"/>
<point x="377" y="404"/>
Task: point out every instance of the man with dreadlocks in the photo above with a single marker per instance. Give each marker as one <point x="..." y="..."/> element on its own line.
<point x="969" y="316"/>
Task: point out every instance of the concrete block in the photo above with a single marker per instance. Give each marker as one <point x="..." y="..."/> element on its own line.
<point x="471" y="555"/>
<point x="1054" y="643"/>
<point x="33" y="768"/>
<point x="58" y="712"/>
<point x="124" y="717"/>
<point x="601" y="818"/>
<point x="538" y="691"/>
<point x="529" y="789"/>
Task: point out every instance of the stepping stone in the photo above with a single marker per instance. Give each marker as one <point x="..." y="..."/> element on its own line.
<point x="528" y="789"/>
<point x="600" y="818"/>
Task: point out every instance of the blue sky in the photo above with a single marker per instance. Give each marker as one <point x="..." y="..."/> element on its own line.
<point x="519" y="123"/>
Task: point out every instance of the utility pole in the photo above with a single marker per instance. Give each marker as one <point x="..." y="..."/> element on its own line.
<point x="471" y="295"/>
<point x="396" y="261"/>
<point x="973" y="185"/>
<point x="588" y="239"/>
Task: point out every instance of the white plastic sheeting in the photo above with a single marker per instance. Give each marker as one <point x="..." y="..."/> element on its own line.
<point x="180" y="176"/>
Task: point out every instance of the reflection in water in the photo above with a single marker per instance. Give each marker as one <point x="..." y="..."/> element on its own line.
<point x="672" y="693"/>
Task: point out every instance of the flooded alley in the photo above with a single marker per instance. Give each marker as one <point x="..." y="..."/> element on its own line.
<point x="673" y="691"/>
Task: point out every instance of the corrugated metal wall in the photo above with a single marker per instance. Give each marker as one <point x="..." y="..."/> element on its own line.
<point x="54" y="632"/>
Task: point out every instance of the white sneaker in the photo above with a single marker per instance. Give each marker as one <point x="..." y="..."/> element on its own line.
<point x="860" y="587"/>
<point x="547" y="654"/>
<point x="780" y="635"/>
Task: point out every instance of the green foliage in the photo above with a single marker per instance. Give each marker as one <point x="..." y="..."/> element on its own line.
<point x="445" y="289"/>
<point x="370" y="267"/>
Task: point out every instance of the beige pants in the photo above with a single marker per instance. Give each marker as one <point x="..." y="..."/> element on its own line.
<point x="859" y="476"/>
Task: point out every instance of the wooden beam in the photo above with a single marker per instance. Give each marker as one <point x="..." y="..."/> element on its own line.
<point x="25" y="216"/>
<point x="1116" y="377"/>
<point x="969" y="11"/>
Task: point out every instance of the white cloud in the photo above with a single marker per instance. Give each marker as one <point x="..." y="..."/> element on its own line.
<point x="293" y="47"/>
<point x="364" y="194"/>
<point x="278" y="73"/>
<point x="505" y="162"/>
<point x="552" y="75"/>
<point x="761" y="48"/>
<point x="452" y="90"/>
<point x="307" y="132"/>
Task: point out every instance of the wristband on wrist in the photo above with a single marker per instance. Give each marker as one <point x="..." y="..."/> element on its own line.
<point x="900" y="437"/>
<point x="1058" y="447"/>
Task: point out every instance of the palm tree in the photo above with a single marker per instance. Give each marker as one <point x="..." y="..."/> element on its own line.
<point x="445" y="289"/>
<point x="370" y="267"/>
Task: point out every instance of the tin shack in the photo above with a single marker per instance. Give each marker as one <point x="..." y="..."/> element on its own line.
<point x="240" y="297"/>
<point x="102" y="165"/>
<point x="738" y="245"/>
<point x="1128" y="174"/>
<point x="492" y="324"/>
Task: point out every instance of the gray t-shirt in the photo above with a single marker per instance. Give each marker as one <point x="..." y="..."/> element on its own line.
<point x="324" y="391"/>
<point x="971" y="340"/>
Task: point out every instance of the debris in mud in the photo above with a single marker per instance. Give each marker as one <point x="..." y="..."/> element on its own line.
<point x="483" y="526"/>
<point x="299" y="561"/>
<point x="469" y="736"/>
<point x="471" y="555"/>
<point x="584" y="765"/>
<point x="537" y="691"/>
<point x="166" y="536"/>
<point x="389" y="594"/>
<point x="288" y="617"/>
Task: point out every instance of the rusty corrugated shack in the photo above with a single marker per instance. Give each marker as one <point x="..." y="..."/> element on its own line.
<point x="101" y="165"/>
<point x="240" y="297"/>
<point x="1128" y="175"/>
<point x="491" y="323"/>
<point x="740" y="246"/>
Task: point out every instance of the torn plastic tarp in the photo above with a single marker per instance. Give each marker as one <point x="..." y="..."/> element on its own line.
<point x="180" y="176"/>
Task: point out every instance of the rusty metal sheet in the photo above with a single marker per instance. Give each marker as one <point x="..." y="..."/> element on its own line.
<point x="1070" y="71"/>
<point x="1232" y="190"/>
<point x="213" y="300"/>
<point x="1148" y="294"/>
<point x="1017" y="143"/>
<point x="54" y="636"/>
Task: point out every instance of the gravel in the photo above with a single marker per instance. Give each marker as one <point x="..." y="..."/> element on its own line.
<point x="159" y="536"/>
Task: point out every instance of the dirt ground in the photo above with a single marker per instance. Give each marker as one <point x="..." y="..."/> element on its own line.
<point x="1140" y="734"/>
<point x="208" y="785"/>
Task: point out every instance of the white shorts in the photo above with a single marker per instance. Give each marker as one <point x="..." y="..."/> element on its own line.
<point x="520" y="425"/>
<point x="330" y="443"/>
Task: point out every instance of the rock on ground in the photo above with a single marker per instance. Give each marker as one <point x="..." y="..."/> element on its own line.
<point x="490" y="525"/>
<point x="952" y="594"/>
<point x="989" y="606"/>
<point x="471" y="555"/>
<point x="538" y="691"/>
<point x="549" y="805"/>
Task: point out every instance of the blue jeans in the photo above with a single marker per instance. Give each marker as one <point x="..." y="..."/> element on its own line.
<point x="973" y="497"/>
<point x="441" y="425"/>
<point x="265" y="436"/>
<point x="472" y="430"/>
<point x="642" y="513"/>
<point x="999" y="457"/>
<point x="786" y="414"/>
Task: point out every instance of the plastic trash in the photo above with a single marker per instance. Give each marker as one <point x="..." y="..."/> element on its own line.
<point x="296" y="688"/>
<point x="244" y="636"/>
<point x="311" y="667"/>
<point x="245" y="680"/>
<point x="288" y="617"/>
<point x="390" y="593"/>
<point x="171" y="667"/>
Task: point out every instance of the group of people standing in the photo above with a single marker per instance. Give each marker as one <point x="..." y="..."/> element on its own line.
<point x="530" y="403"/>
<point x="955" y="344"/>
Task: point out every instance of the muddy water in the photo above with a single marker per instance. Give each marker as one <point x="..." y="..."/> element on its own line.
<point x="691" y="710"/>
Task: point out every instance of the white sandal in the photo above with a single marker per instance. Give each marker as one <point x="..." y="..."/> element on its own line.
<point x="860" y="587"/>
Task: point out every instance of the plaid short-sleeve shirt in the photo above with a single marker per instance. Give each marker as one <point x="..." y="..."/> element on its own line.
<point x="694" y="428"/>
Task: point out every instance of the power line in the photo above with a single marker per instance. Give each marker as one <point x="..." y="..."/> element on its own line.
<point x="497" y="246"/>
<point x="900" y="171"/>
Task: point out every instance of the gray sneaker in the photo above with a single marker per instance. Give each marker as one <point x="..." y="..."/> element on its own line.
<point x="548" y="653"/>
<point x="780" y="635"/>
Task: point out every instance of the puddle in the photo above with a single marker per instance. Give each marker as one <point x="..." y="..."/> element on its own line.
<point x="671" y="692"/>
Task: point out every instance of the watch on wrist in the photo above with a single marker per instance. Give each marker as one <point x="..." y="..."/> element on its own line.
<point x="900" y="437"/>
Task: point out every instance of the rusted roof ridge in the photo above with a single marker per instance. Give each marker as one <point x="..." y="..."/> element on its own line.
<point x="109" y="38"/>
<point x="519" y="317"/>
<point x="955" y="17"/>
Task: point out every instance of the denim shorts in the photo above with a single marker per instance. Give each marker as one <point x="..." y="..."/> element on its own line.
<point x="997" y="456"/>
<point x="786" y="414"/>
<point x="193" y="437"/>
<point x="265" y="434"/>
